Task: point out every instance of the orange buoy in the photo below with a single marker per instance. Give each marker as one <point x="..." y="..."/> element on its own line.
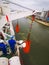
<point x="27" y="48"/>
<point x="33" y="17"/>
<point x="7" y="18"/>
<point x="17" y="28"/>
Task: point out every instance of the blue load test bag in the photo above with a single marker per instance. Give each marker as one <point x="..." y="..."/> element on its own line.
<point x="3" y="48"/>
<point x="12" y="43"/>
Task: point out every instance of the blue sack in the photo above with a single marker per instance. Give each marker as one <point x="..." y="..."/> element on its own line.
<point x="3" y="48"/>
<point x="12" y="43"/>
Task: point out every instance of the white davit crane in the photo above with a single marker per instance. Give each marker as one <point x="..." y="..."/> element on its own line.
<point x="12" y="15"/>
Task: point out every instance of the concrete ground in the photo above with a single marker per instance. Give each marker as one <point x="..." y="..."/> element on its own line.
<point x="39" y="52"/>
